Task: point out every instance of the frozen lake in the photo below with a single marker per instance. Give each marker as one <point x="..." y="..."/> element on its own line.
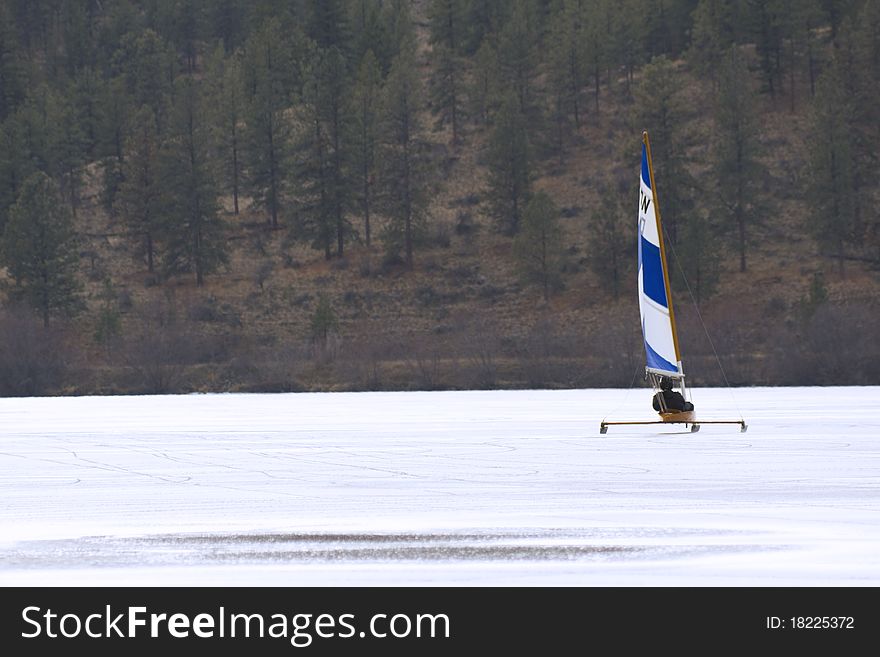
<point x="440" y="488"/>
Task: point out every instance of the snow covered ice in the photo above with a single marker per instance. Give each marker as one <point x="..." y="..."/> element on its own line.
<point x="489" y="488"/>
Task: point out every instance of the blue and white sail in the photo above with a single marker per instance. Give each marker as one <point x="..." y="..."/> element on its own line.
<point x="655" y="303"/>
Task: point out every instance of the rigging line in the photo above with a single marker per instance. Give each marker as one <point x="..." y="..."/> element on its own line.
<point x="702" y="323"/>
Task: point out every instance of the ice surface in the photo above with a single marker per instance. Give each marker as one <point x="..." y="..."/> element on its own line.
<point x="482" y="488"/>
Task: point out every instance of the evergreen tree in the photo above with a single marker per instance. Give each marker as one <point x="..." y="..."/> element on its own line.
<point x="366" y="99"/>
<point x="16" y="160"/>
<point x="183" y="28"/>
<point x="837" y="11"/>
<point x="509" y="164"/>
<point x="483" y="89"/>
<point x="596" y="42"/>
<point x="39" y="250"/>
<point x="73" y="27"/>
<point x="832" y="167"/>
<point x="327" y="175"/>
<point x="612" y="242"/>
<point x="398" y="27"/>
<point x="314" y="171"/>
<point x="447" y="78"/>
<point x="85" y="100"/>
<point x="69" y="148"/>
<point x="668" y="23"/>
<point x="114" y="107"/>
<point x="140" y="195"/>
<point x="517" y="57"/>
<point x="565" y="71"/>
<point x="227" y="20"/>
<point x="867" y="44"/>
<point x="484" y="19"/>
<point x="711" y="36"/>
<point x="147" y="65"/>
<point x="12" y="72"/>
<point x="328" y="24"/>
<point x="626" y="40"/>
<point x="797" y="20"/>
<point x="370" y="33"/>
<point x="767" y="34"/>
<point x="660" y="110"/>
<point x="193" y="233"/>
<point x="695" y="263"/>
<point x="226" y="109"/>
<point x="538" y="245"/>
<point x="868" y="37"/>
<point x="403" y="172"/>
<point x="736" y="151"/>
<point x="854" y="65"/>
<point x="267" y="136"/>
<point x="54" y="139"/>
<point x="324" y="322"/>
<point x="109" y="322"/>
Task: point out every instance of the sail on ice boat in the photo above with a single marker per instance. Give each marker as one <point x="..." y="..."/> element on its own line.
<point x="662" y="352"/>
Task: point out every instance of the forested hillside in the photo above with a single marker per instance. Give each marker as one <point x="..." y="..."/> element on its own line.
<point x="237" y="195"/>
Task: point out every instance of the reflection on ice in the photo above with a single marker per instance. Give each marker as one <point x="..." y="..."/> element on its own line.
<point x="201" y="549"/>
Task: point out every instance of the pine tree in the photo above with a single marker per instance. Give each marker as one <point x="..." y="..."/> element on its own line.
<point x="146" y="64"/>
<point x="710" y="38"/>
<point x="324" y="322"/>
<point x="597" y="41"/>
<point x="327" y="175"/>
<point x="227" y="20"/>
<point x="853" y="61"/>
<point x="85" y="100"/>
<point x="16" y="160"/>
<point x="267" y="136"/>
<point x="538" y="245"/>
<point x="483" y="89"/>
<point x="74" y="28"/>
<point x="767" y="34"/>
<point x="12" y="73"/>
<point x="399" y="29"/>
<point x="832" y="167"/>
<point x="447" y="77"/>
<point x="226" y="108"/>
<point x="484" y="19"/>
<point x="366" y="99"/>
<point x="140" y="195"/>
<point x="192" y="231"/>
<point x="39" y="250"/>
<point x="627" y="38"/>
<point x="565" y="71"/>
<point x="612" y="243"/>
<point x="695" y="262"/>
<point x="114" y="107"/>
<point x="53" y="139"/>
<point x="328" y="24"/>
<point x="370" y="33"/>
<point x="509" y="166"/>
<point x="517" y="57"/>
<point x="660" y="110"/>
<point x="736" y="150"/>
<point x="402" y="157"/>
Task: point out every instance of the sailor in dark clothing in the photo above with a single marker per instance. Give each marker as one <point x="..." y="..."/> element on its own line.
<point x="672" y="400"/>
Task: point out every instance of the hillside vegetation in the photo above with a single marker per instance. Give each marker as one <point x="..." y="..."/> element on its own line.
<point x="363" y="195"/>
